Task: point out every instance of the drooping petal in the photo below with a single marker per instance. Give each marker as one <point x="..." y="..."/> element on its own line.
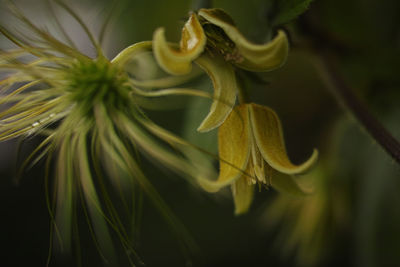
<point x="242" y="193"/>
<point x="234" y="149"/>
<point x="224" y="82"/>
<point x="267" y="131"/>
<point x="256" y="57"/>
<point x="179" y="61"/>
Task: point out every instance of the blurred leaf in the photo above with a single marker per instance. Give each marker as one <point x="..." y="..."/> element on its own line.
<point x="194" y="115"/>
<point x="375" y="178"/>
<point x="286" y="10"/>
<point x="286" y="184"/>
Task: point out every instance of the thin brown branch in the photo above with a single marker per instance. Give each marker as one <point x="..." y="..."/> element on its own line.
<point x="323" y="45"/>
<point x="349" y="100"/>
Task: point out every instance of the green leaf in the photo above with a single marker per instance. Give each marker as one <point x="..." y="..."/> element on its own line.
<point x="207" y="141"/>
<point x="286" y="10"/>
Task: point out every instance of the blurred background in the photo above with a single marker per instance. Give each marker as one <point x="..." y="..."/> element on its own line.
<point x="352" y="219"/>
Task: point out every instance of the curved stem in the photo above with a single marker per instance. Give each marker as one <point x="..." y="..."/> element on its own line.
<point x="349" y="100"/>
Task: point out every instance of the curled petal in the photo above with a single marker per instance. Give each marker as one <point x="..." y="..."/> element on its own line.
<point x="267" y="131"/>
<point x="179" y="62"/>
<point x="243" y="193"/>
<point x="225" y="88"/>
<point x="144" y="71"/>
<point x="255" y="57"/>
<point x="234" y="149"/>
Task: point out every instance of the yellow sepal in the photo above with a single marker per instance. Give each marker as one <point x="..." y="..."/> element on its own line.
<point x="255" y="57"/>
<point x="268" y="134"/>
<point x="234" y="149"/>
<point x="178" y="61"/>
<point x="223" y="78"/>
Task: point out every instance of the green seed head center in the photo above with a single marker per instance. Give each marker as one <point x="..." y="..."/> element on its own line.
<point x="94" y="81"/>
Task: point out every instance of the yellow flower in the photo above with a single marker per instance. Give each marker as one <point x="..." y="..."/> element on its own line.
<point x="211" y="40"/>
<point x="251" y="147"/>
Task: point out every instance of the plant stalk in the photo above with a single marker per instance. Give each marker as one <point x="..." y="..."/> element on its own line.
<point x="345" y="95"/>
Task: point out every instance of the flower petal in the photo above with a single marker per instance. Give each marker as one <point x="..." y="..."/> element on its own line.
<point x="225" y="88"/>
<point x="234" y="149"/>
<point x="242" y="193"/>
<point x="267" y="131"/>
<point x="264" y="57"/>
<point x="179" y="62"/>
<point x="144" y="71"/>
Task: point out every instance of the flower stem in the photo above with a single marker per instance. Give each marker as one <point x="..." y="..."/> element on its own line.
<point x="345" y="95"/>
<point x="243" y="96"/>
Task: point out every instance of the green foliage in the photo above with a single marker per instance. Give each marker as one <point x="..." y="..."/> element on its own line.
<point x="193" y="117"/>
<point x="283" y="11"/>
